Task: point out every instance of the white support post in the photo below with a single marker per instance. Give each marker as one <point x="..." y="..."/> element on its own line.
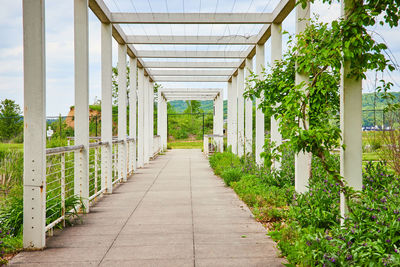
<point x="122" y="97"/>
<point x="132" y="110"/>
<point x="140" y="140"/>
<point x="146" y="123"/>
<point x="229" y="111"/>
<point x="240" y="112"/>
<point x="81" y="66"/>
<point x="249" y="113"/>
<point x="34" y="125"/>
<point x="219" y="120"/>
<point x="234" y="115"/>
<point x="260" y="124"/>
<point x="302" y="160"/>
<point x="276" y="54"/>
<point x="350" y="125"/>
<point x="106" y="106"/>
<point x="165" y="124"/>
<point x="151" y="119"/>
<point x="159" y="117"/>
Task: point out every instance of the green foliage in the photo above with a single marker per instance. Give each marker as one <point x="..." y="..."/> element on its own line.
<point x="221" y="161"/>
<point x="11" y="121"/>
<point x="231" y="175"/>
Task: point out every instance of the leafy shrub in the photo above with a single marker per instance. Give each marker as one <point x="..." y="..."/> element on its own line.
<point x="221" y="161"/>
<point x="231" y="175"/>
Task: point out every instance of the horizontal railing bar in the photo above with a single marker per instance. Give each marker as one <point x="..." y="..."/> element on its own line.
<point x="117" y="141"/>
<point x="54" y="223"/>
<point x="57" y="150"/>
<point x="130" y="139"/>
<point x="97" y="144"/>
<point x="97" y="194"/>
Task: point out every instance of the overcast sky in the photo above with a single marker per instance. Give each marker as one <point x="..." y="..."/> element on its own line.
<point x="59" y="42"/>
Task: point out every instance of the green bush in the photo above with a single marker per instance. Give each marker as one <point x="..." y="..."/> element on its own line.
<point x="231" y="175"/>
<point x="307" y="226"/>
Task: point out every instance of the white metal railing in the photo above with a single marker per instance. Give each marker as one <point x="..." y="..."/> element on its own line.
<point x="60" y="172"/>
<point x="60" y="169"/>
<point x="131" y="155"/>
<point x="116" y="176"/>
<point x="156" y="145"/>
<point x="213" y="143"/>
<point x="95" y="185"/>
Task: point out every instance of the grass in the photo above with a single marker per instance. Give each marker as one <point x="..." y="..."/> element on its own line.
<point x="198" y="144"/>
<point x="371" y="156"/>
<point x="6" y="146"/>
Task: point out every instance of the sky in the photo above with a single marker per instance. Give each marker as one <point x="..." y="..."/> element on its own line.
<point x="59" y="42"/>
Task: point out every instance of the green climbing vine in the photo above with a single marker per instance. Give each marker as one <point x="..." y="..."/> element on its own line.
<point x="308" y="112"/>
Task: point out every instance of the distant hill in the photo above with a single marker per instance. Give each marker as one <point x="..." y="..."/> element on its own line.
<point x="370" y="118"/>
<point x="367" y="103"/>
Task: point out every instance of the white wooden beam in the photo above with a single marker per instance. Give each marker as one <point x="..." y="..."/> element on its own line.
<point x="191" y="18"/>
<point x="260" y="124"/>
<point x="198" y="72"/>
<point x="192" y="40"/>
<point x="189" y="54"/>
<point x="191" y="79"/>
<point x="177" y="64"/>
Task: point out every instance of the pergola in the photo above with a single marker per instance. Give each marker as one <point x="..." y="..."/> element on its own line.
<point x="143" y="75"/>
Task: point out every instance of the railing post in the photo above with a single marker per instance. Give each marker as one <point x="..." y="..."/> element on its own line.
<point x="96" y="169"/>
<point x="63" y="187"/>
<point x="34" y="125"/>
<point x="81" y="66"/>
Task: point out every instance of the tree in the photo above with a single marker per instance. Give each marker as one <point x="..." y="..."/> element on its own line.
<point x="320" y="52"/>
<point x="10" y="119"/>
<point x="193" y="106"/>
<point x="115" y="84"/>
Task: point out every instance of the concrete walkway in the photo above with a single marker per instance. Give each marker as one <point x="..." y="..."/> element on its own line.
<point x="174" y="212"/>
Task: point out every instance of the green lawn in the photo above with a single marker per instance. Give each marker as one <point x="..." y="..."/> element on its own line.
<point x="198" y="144"/>
<point x="5" y="146"/>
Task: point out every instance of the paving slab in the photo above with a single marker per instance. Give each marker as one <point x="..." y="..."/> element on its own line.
<point x="173" y="212"/>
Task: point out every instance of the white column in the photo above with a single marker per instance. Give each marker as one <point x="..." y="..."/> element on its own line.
<point x="276" y="54"/>
<point x="151" y="119"/>
<point x="165" y="123"/>
<point x="219" y="119"/>
<point x="81" y="65"/>
<point x="146" y="123"/>
<point x="160" y="100"/>
<point x="249" y="113"/>
<point x="302" y="160"/>
<point x="106" y="106"/>
<point x="34" y="125"/>
<point x="350" y="125"/>
<point x="234" y="115"/>
<point x="260" y="124"/>
<point x="240" y="111"/>
<point x="132" y="109"/>
<point x="122" y="97"/>
<point x="229" y="127"/>
<point x="140" y="140"/>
